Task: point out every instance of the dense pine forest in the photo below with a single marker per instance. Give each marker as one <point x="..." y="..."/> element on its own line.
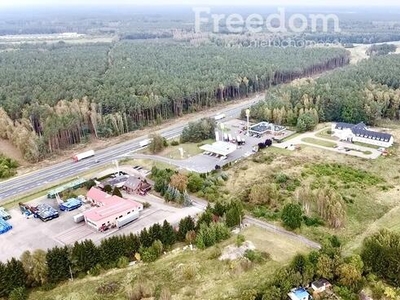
<point x="367" y="92"/>
<point x="54" y="95"/>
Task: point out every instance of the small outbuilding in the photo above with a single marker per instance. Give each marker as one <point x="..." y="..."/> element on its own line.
<point x="320" y="286"/>
<point x="136" y="185"/>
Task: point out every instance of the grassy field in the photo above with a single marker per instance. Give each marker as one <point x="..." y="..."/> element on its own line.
<point x="173" y="152"/>
<point x="366" y="145"/>
<point x="186" y="275"/>
<point x="325" y="134"/>
<point x="147" y="164"/>
<point x="369" y="206"/>
<point x="319" y="142"/>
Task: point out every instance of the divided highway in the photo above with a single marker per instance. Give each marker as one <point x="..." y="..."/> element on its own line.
<point x="29" y="182"/>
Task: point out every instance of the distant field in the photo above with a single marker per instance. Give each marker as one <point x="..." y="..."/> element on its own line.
<point x="187" y="275"/>
<point x="54" y="38"/>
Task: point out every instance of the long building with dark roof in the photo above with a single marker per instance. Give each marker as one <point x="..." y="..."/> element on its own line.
<point x="360" y="133"/>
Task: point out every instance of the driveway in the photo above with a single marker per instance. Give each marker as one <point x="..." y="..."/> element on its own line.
<point x="358" y="150"/>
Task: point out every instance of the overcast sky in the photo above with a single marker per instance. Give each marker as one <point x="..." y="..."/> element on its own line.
<point x="280" y="3"/>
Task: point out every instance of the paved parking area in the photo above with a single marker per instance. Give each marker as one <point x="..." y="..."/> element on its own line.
<point x="31" y="234"/>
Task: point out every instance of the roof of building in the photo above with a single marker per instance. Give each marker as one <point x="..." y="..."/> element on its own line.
<point x="67" y="186"/>
<point x="299" y="293"/>
<point x="220" y="148"/>
<point x="372" y="134"/>
<point x="97" y="195"/>
<point x="320" y="283"/>
<point x="114" y="205"/>
<point x="361" y="130"/>
<point x="72" y="202"/>
<point x="132" y="182"/>
<point x="342" y="125"/>
<point x="116" y="180"/>
<point x="265" y="126"/>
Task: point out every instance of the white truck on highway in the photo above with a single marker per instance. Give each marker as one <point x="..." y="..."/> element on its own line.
<point x="83" y="155"/>
<point x="145" y="143"/>
<point x="219" y="117"/>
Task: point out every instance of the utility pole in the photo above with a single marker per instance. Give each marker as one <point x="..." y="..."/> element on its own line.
<point x="70" y="271"/>
<point x="248" y="121"/>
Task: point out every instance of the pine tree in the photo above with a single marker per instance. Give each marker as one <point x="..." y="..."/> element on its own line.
<point x="186" y="200"/>
<point x="117" y="192"/>
<point x="15" y="275"/>
<point x="3" y="280"/>
<point x="58" y="264"/>
<point x="145" y="238"/>
<point x="168" y="234"/>
<point x="155" y="232"/>
<point x="185" y="225"/>
<point x="85" y="256"/>
<point x="133" y="245"/>
<point x="176" y="195"/>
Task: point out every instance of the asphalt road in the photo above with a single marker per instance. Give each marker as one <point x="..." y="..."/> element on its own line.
<point x="18" y="186"/>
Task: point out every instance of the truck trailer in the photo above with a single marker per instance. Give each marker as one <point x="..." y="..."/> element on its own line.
<point x="145" y="143"/>
<point x="219" y="117"/>
<point x="83" y="155"/>
<point x="127" y="219"/>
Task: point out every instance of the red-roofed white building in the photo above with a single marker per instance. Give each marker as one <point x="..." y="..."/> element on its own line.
<point x="109" y="210"/>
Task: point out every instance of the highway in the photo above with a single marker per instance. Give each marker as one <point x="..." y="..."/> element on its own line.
<point x="27" y="183"/>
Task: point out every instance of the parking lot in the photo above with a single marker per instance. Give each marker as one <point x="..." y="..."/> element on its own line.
<point x="31" y="234"/>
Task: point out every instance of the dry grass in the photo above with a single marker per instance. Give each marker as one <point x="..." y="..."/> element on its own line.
<point x="368" y="208"/>
<point x="189" y="150"/>
<point x="188" y="275"/>
<point x="147" y="164"/>
<point x="280" y="247"/>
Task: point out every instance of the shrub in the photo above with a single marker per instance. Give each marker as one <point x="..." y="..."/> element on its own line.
<point x="281" y="178"/>
<point x="188" y="272"/>
<point x="256" y="256"/>
<point x="146" y="205"/>
<point x="108" y="288"/>
<point x="95" y="271"/>
<point x="140" y="290"/>
<point x="292" y="216"/>
<point x="240" y="239"/>
<point x="165" y="294"/>
<point x="123" y="262"/>
<point x="313" y="222"/>
<point x="175" y="143"/>
<point x="18" y="294"/>
<point x="215" y="252"/>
